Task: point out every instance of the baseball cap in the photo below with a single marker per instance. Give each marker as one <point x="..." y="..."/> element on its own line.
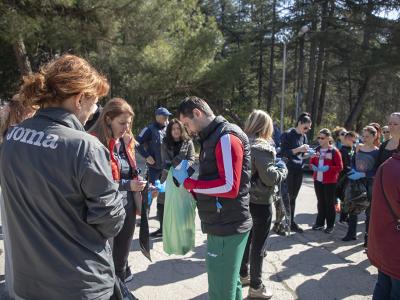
<point x="162" y="111"/>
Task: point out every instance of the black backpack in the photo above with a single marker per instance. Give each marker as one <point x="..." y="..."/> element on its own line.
<point x="355" y="196"/>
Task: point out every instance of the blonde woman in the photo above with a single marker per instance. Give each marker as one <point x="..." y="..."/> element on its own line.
<point x="265" y="176"/>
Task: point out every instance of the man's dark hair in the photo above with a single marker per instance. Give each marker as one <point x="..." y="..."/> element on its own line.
<point x="190" y="103"/>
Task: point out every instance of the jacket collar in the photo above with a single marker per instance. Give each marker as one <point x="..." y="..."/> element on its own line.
<point x="396" y="156"/>
<point x="205" y="133"/>
<point x="61" y="116"/>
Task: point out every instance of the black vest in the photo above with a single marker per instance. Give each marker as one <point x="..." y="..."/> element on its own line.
<point x="234" y="216"/>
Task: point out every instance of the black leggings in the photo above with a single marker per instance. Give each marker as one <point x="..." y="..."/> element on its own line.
<point x="262" y="216"/>
<point x="326" y="203"/>
<point x="294" y="181"/>
<point x="122" y="242"/>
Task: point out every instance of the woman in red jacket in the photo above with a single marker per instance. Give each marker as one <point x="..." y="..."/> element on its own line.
<point x="384" y="229"/>
<point x="326" y="164"/>
<point x="113" y="129"/>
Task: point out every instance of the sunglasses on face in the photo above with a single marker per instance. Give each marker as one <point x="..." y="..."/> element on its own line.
<point x="385" y="132"/>
<point x="343" y="133"/>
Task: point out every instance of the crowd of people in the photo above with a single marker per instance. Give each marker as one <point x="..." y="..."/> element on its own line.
<point x="71" y="187"/>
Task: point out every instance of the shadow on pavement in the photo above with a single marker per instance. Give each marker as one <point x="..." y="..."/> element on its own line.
<point x="338" y="283"/>
<point x="166" y="272"/>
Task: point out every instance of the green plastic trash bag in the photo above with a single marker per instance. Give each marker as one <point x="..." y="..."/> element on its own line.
<point x="179" y="215"/>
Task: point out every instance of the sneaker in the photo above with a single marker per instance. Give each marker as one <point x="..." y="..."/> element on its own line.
<point x="296" y="228"/>
<point x="261" y="293"/>
<point x="128" y="275"/>
<point x="279" y="230"/>
<point x="245" y="280"/>
<point x="317" y="227"/>
<point x="348" y="238"/>
<point x="328" y="230"/>
<point x="157" y="233"/>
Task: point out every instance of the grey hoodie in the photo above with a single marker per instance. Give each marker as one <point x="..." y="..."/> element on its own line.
<point x="61" y="205"/>
<point x="265" y="176"/>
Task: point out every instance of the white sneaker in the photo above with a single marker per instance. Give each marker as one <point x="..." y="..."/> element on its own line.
<point x="245" y="280"/>
<point x="261" y="293"/>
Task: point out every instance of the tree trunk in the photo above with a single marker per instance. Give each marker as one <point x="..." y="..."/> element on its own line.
<point x="22" y="58"/>
<point x="261" y="60"/>
<point x="322" y="96"/>
<point x="365" y="73"/>
<point x="300" y="84"/>
<point x="358" y="106"/>
<point x="311" y="68"/>
<point x="272" y="58"/>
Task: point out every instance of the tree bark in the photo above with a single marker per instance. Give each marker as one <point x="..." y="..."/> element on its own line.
<point x="365" y="73"/>
<point x="311" y="68"/>
<point x="261" y="59"/>
<point x="22" y="58"/>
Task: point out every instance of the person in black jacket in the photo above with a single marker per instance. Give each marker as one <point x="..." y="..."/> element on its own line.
<point x="176" y="146"/>
<point x="294" y="144"/>
<point x="222" y="193"/>
<point x="347" y="151"/>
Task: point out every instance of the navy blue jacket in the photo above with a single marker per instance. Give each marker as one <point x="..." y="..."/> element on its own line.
<point x="149" y="143"/>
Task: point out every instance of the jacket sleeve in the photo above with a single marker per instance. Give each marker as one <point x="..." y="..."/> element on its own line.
<point x="167" y="161"/>
<point x="143" y="139"/>
<point x="105" y="210"/>
<point x="314" y="161"/>
<point x="269" y="174"/>
<point x="286" y="145"/>
<point x="337" y="166"/>
<point x="191" y="153"/>
<point x="166" y="157"/>
<point x="124" y="185"/>
<point x="229" y="158"/>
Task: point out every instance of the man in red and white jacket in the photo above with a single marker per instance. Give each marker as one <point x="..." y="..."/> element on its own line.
<point x="326" y="164"/>
<point x="222" y="194"/>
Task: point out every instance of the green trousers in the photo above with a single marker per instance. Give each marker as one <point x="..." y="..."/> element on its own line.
<point x="223" y="260"/>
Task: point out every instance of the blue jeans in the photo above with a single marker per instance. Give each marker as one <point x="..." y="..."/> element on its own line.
<point x="386" y="288"/>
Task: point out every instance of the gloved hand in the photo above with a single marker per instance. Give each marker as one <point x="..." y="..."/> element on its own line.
<point x="314" y="168"/>
<point x="180" y="172"/>
<point x="280" y="164"/>
<point x="159" y="186"/>
<point x="354" y="175"/>
<point x="323" y="169"/>
<point x="310" y="152"/>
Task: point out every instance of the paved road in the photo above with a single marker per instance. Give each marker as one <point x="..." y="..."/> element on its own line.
<point x="309" y="266"/>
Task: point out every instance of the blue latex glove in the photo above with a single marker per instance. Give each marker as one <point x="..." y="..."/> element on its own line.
<point x="310" y="152"/>
<point x="280" y="164"/>
<point x="314" y="168"/>
<point x="323" y="169"/>
<point x="354" y="175"/>
<point x="180" y="172"/>
<point x="159" y="186"/>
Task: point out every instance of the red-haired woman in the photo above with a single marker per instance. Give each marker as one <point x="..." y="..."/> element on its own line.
<point x="113" y="129"/>
<point x="61" y="202"/>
